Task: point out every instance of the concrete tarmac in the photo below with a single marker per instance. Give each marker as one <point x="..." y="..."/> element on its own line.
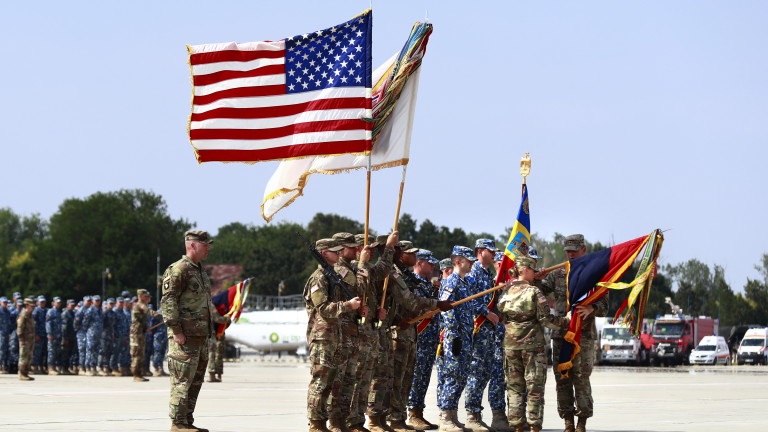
<point x="271" y="396"/>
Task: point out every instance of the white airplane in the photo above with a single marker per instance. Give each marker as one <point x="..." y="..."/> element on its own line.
<point x="272" y="331"/>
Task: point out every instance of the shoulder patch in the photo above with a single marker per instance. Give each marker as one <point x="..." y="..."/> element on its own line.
<point x="343" y="272"/>
<point x="167" y="278"/>
<point x="542" y="299"/>
<point x="314" y="288"/>
<point x="395" y="275"/>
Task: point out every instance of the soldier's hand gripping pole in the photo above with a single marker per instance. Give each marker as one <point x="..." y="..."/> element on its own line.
<point x="376" y="322"/>
<point x="334" y="278"/>
<point x="457" y="302"/>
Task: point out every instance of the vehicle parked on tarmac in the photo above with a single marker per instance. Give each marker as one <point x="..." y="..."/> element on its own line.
<point x="675" y="336"/>
<point x="711" y="350"/>
<point x="753" y="348"/>
<point x="619" y="345"/>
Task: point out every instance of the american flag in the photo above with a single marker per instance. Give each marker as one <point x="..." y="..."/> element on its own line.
<point x="306" y="95"/>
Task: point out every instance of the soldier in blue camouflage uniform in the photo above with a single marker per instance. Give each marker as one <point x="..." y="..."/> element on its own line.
<point x="94" y="324"/>
<point x="525" y="310"/>
<point x="81" y="333"/>
<point x="122" y="333"/>
<point x="68" y="339"/>
<point x="574" y="392"/>
<point x="16" y="306"/>
<point x="108" y="337"/>
<point x="125" y="357"/>
<point x="484" y="342"/>
<point x="53" y="330"/>
<point x="455" y="352"/>
<point x="5" y="330"/>
<point x="159" y="345"/>
<point x="426" y="343"/>
<point x="39" y="357"/>
<point x="149" y="345"/>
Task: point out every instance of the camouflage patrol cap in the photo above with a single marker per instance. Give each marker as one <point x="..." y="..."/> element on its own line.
<point x="19" y="302"/>
<point x="345" y="239"/>
<point x="41" y="298"/>
<point x="110" y="301"/>
<point x="499" y="256"/>
<point x="380" y="240"/>
<point x="70" y="301"/>
<point x="134" y="299"/>
<point x="328" y="244"/>
<point x="17" y="295"/>
<point x="141" y="292"/>
<point x="533" y="254"/>
<point x="125" y="294"/>
<point x="486" y="244"/>
<point x="463" y="251"/>
<point x="29" y="302"/>
<point x="360" y="237"/>
<point x="86" y="298"/>
<point x="80" y="303"/>
<point x="120" y="299"/>
<point x="56" y="299"/>
<point x="198" y="236"/>
<point x="406" y="246"/>
<point x="426" y="255"/>
<point x="446" y="263"/>
<point x="3" y="299"/>
<point x="526" y="261"/>
<point x="96" y="297"/>
<point x="574" y="242"/>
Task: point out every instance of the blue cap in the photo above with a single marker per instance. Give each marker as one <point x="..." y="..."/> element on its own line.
<point x="134" y="299"/>
<point x="3" y="299"/>
<point x="120" y="299"/>
<point x="96" y="297"/>
<point x="125" y="294"/>
<point x="86" y="298"/>
<point x="110" y="300"/>
<point x="80" y="303"/>
<point x="486" y="244"/>
<point x="70" y="301"/>
<point x="426" y="255"/>
<point x="533" y="254"/>
<point x="41" y="298"/>
<point x="499" y="256"/>
<point x="19" y="302"/>
<point x="56" y="299"/>
<point x="464" y="252"/>
<point x="17" y="295"/>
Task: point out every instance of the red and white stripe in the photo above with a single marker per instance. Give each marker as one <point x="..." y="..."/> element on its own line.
<point x="241" y="112"/>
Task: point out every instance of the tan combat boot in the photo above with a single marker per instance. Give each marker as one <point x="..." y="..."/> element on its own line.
<point x="500" y="423"/>
<point x="218" y="376"/>
<point x="53" y="371"/>
<point x="400" y="426"/>
<point x="92" y="372"/>
<point x="116" y="373"/>
<point x="181" y="427"/>
<point x="378" y="424"/>
<point x="24" y="374"/>
<point x="358" y="428"/>
<point x="569" y="425"/>
<point x="475" y="422"/>
<point x="317" y="426"/>
<point x="162" y="373"/>
<point x="535" y="428"/>
<point x="446" y="423"/>
<point x="581" y="426"/>
<point x="138" y="378"/>
<point x="212" y="377"/>
<point x="417" y="421"/>
<point x="337" y="425"/>
<point x="3" y="371"/>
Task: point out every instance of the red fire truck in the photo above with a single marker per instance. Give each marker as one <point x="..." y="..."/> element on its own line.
<point x="675" y="336"/>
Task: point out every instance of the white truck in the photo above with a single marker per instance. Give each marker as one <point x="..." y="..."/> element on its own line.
<point x="619" y="345"/>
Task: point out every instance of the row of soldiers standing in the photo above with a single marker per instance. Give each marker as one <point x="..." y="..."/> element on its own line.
<point x="361" y="368"/>
<point x="83" y="338"/>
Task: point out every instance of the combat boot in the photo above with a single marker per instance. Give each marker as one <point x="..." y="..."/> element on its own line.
<point x="125" y="371"/>
<point x="417" y="421"/>
<point x="3" y="370"/>
<point x="161" y="372"/>
<point x="535" y="428"/>
<point x="475" y="422"/>
<point x="378" y="424"/>
<point x="400" y="426"/>
<point x="358" y="428"/>
<point x="218" y="376"/>
<point x="92" y="372"/>
<point x="500" y="423"/>
<point x="181" y="427"/>
<point x="212" y="377"/>
<point x="138" y="378"/>
<point x="53" y="372"/>
<point x="337" y="425"/>
<point x="569" y="425"/>
<point x="116" y="373"/>
<point x="446" y="423"/>
<point x="317" y="426"/>
<point x="581" y="426"/>
<point x="24" y="374"/>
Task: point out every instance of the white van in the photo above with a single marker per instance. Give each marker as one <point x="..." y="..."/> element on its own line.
<point x="753" y="347"/>
<point x="711" y="350"/>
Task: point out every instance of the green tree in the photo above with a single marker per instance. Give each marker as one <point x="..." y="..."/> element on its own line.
<point x="325" y="225"/>
<point x="122" y="231"/>
<point x="19" y="236"/>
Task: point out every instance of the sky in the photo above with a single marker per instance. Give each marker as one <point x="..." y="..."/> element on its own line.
<point x="637" y="115"/>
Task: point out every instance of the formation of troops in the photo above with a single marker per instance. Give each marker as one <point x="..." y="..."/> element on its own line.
<point x="368" y="359"/>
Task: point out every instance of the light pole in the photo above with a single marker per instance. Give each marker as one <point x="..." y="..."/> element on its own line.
<point x="104" y="275"/>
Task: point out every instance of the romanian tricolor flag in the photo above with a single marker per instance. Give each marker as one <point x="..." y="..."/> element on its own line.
<point x="519" y="239"/>
<point x="588" y="279"/>
<point x="230" y="302"/>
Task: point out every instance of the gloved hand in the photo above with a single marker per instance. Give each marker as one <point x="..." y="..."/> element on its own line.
<point x="456" y="347"/>
<point x="381" y="313"/>
<point x="444" y="305"/>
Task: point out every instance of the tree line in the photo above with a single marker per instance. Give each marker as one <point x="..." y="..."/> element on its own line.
<point x="125" y="231"/>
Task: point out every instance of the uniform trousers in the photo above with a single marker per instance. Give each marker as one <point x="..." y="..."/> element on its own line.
<point x="366" y="363"/>
<point x="574" y="393"/>
<point x="426" y="348"/>
<point x="525" y="370"/>
<point x="186" y="365"/>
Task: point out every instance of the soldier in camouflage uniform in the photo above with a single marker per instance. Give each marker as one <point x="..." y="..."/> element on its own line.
<point x="39" y="358"/>
<point x="81" y="331"/>
<point x="525" y="311"/>
<point x="159" y="345"/>
<point x="5" y="329"/>
<point x="68" y="339"/>
<point x="54" y="332"/>
<point x="94" y="324"/>
<point x="108" y="337"/>
<point x="426" y="343"/>
<point x="25" y="330"/>
<point x="484" y="341"/>
<point x="325" y="306"/>
<point x="454" y="353"/>
<point x="13" y="340"/>
<point x="140" y="316"/>
<point x="188" y="313"/>
<point x="574" y="392"/>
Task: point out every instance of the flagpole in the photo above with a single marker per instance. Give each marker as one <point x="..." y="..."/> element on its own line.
<point x="367" y="219"/>
<point x="394" y="228"/>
